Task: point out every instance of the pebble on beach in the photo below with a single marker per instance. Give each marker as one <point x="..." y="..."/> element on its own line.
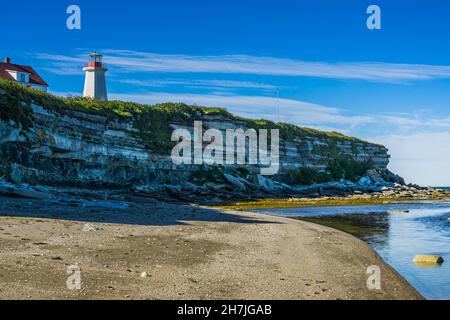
<point x="91" y="227"/>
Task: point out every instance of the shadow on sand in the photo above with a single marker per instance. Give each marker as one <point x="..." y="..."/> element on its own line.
<point x="136" y="211"/>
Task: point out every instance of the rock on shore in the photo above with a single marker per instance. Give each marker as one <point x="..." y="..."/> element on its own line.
<point x="230" y="188"/>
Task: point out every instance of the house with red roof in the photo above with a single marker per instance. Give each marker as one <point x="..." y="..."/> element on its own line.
<point x="25" y="75"/>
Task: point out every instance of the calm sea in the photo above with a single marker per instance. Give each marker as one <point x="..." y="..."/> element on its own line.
<point x="397" y="237"/>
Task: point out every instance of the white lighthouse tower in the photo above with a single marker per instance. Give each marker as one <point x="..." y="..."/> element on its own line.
<point x="95" y="82"/>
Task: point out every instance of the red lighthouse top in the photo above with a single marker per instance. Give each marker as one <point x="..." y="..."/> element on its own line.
<point x="95" y="60"/>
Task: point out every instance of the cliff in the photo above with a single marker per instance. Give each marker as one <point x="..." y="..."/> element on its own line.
<point x="72" y="141"/>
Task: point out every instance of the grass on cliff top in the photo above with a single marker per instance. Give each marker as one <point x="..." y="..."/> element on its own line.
<point x="152" y="121"/>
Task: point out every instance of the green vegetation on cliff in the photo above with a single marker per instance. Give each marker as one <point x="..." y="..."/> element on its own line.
<point x="152" y="121"/>
<point x="339" y="167"/>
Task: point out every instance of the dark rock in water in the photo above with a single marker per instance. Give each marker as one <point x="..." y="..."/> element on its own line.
<point x="398" y="211"/>
<point x="428" y="260"/>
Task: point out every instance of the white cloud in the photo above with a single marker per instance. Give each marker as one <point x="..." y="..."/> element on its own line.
<point x="133" y="61"/>
<point x="199" y="83"/>
<point x="407" y="122"/>
<point x="421" y="158"/>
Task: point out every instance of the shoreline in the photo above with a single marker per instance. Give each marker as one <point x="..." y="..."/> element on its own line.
<point x="336" y="222"/>
<point x="188" y="252"/>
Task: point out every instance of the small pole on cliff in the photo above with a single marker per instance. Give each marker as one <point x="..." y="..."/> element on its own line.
<point x="278" y="103"/>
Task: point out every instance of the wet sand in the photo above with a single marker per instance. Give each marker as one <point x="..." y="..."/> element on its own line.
<point x="188" y="252"/>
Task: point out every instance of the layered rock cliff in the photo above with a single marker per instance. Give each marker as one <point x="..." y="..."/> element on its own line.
<point x="50" y="140"/>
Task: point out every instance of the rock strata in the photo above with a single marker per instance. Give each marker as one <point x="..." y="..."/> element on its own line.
<point x="67" y="147"/>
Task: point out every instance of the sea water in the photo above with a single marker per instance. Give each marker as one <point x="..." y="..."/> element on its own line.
<point x="396" y="236"/>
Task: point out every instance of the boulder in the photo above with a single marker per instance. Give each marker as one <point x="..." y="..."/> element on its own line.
<point x="173" y="188"/>
<point x="235" y="181"/>
<point x="375" y="176"/>
<point x="101" y="203"/>
<point x="23" y="191"/>
<point x="414" y="186"/>
<point x="331" y="185"/>
<point x="150" y="188"/>
<point x="365" y="182"/>
<point x="375" y="181"/>
<point x="398" y="211"/>
<point x="349" y="184"/>
<point x="216" y="186"/>
<point x="394" y="178"/>
<point x="190" y="186"/>
<point x="428" y="259"/>
<point x="405" y="194"/>
<point x="375" y="188"/>
<point x="303" y="189"/>
<point x="265" y="183"/>
<point x="389" y="193"/>
<point x="284" y="186"/>
<point x="91" y="227"/>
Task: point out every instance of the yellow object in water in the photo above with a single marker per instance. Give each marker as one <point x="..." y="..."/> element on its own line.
<point x="428" y="259"/>
<point x="398" y="211"/>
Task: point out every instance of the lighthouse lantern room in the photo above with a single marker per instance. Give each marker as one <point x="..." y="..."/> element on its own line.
<point x="95" y="82"/>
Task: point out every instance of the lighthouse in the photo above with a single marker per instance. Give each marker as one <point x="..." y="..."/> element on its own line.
<point x="95" y="82"/>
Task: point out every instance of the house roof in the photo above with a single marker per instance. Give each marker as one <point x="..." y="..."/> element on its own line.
<point x="34" y="76"/>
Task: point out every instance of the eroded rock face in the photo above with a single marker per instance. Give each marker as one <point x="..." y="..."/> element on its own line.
<point x="74" y="148"/>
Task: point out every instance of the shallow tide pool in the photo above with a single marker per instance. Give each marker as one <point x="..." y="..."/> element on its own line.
<point x="396" y="235"/>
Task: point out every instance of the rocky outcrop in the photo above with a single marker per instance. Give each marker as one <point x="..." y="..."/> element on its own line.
<point x="65" y="146"/>
<point x="79" y="149"/>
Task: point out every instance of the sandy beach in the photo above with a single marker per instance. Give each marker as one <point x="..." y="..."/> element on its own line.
<point x="188" y="252"/>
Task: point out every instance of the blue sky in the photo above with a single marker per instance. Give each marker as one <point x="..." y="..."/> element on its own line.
<point x="389" y="86"/>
